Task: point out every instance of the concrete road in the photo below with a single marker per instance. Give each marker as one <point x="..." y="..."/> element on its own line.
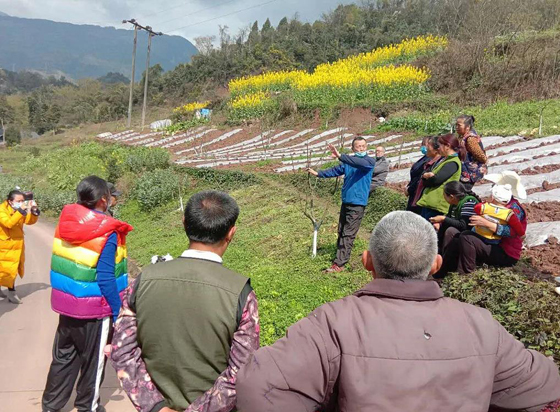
<point x="27" y="333"/>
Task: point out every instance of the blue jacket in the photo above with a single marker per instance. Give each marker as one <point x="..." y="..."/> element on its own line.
<point x="357" y="173"/>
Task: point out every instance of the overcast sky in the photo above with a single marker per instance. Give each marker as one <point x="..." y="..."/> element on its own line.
<point x="187" y="18"/>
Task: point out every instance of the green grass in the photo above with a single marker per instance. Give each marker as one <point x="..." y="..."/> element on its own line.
<point x="272" y="246"/>
<point x="500" y="118"/>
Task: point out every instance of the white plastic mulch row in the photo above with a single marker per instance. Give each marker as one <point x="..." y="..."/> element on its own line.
<point x="526" y="154"/>
<point x="117" y="135"/>
<point x="131" y="138"/>
<point x="516" y="167"/>
<point x="262" y="143"/>
<point x="302" y="150"/>
<point x="216" y="140"/>
<point x="523" y="145"/>
<point x="539" y="197"/>
<point x="188" y="139"/>
<point x="529" y="181"/>
<point x="538" y="233"/>
<point x="118" y="138"/>
<point x="249" y="142"/>
<point x="302" y="145"/>
<point x="175" y="137"/>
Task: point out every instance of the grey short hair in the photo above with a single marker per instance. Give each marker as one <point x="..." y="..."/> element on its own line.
<point x="403" y="246"/>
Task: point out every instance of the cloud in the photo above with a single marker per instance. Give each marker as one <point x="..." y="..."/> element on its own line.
<point x="187" y="18"/>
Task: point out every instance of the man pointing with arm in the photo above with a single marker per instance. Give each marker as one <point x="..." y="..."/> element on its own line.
<point x="357" y="171"/>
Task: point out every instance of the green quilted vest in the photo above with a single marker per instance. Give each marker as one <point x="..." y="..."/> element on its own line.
<point x="187" y="315"/>
<point x="433" y="196"/>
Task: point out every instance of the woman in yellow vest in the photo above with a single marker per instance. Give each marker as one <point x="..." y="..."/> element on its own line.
<point x="447" y="170"/>
<point x="14" y="213"/>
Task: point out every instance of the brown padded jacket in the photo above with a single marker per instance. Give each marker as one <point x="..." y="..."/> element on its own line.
<point x="397" y="346"/>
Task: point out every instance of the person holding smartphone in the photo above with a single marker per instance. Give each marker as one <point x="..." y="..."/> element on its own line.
<point x="19" y="209"/>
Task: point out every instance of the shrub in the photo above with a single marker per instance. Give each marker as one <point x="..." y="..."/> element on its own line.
<point x="220" y="179"/>
<point x="156" y="188"/>
<point x="382" y="202"/>
<point x="144" y="158"/>
<point x="54" y="201"/>
<point x="9" y="182"/>
<point x="528" y="310"/>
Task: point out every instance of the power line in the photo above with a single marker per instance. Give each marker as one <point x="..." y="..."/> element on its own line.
<point x="195" y="12"/>
<point x="219" y="17"/>
<point x="170" y="8"/>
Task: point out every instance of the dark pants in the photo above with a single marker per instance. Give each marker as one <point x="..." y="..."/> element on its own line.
<point x="427" y="213"/>
<point x="348" y="226"/>
<point x="463" y="252"/>
<point x="78" y="349"/>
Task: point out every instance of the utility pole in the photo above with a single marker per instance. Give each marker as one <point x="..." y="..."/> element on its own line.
<point x="151" y="33"/>
<point x="145" y="103"/>
<point x="132" y="21"/>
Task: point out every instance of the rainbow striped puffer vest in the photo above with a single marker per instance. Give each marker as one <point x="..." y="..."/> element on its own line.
<point x="80" y="237"/>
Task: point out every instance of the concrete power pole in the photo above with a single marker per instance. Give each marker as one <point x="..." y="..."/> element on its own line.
<point x="145" y="103"/>
<point x="151" y="33"/>
<point x="132" y="21"/>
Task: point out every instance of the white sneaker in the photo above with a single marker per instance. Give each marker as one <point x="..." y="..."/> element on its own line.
<point x="2" y="294"/>
<point x="13" y="297"/>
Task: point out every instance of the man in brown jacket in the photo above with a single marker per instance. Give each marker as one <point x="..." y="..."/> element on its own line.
<point x="398" y="345"/>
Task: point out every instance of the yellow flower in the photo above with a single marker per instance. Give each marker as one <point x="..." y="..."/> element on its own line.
<point x="270" y="81"/>
<point x="191" y="107"/>
<point x="249" y="100"/>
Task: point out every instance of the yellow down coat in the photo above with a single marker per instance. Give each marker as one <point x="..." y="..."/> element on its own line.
<point x="12" y="247"/>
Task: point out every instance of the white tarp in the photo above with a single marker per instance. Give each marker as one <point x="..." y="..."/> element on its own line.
<point x="539" y="197"/>
<point x="538" y="233"/>
<point x="160" y="124"/>
<point x="523" y="145"/>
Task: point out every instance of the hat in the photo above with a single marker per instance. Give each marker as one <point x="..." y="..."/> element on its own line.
<point x="511" y="178"/>
<point x="113" y="190"/>
<point x="502" y="193"/>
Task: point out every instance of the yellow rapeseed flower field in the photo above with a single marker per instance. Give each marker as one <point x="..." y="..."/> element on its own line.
<point x="191" y="107"/>
<point x="270" y="81"/>
<point x="249" y="100"/>
<point x="356" y="70"/>
<point x="366" y="78"/>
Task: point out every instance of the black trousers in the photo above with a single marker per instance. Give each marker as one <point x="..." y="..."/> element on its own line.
<point x="78" y="349"/>
<point x="465" y="251"/>
<point x="348" y="225"/>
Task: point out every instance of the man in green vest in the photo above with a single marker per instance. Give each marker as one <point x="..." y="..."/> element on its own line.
<point x="188" y="324"/>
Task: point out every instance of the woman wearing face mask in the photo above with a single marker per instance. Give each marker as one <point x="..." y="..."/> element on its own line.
<point x="14" y="213"/>
<point x="474" y="165"/>
<point x="88" y="275"/>
<point x="414" y="188"/>
<point x="471" y="248"/>
<point x="447" y="169"/>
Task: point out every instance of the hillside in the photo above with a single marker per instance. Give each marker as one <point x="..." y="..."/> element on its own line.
<point x="80" y="51"/>
<point x="273" y="241"/>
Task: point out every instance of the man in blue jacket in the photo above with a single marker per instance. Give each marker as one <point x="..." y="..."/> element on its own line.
<point x="357" y="171"/>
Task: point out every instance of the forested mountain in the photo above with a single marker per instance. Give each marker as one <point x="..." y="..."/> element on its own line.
<point x="79" y="51"/>
<point x="498" y="50"/>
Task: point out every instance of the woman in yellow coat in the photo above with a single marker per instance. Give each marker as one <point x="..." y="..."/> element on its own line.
<point x="13" y="215"/>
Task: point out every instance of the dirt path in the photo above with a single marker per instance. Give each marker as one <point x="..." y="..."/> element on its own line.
<point x="27" y="333"/>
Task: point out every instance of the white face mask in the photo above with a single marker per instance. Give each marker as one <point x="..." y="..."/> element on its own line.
<point x="17" y="205"/>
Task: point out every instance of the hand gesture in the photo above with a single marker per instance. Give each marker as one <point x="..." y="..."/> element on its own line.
<point x="427" y="175"/>
<point x="479" y="221"/>
<point x="311" y="171"/>
<point x="437" y="219"/>
<point x="334" y="151"/>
